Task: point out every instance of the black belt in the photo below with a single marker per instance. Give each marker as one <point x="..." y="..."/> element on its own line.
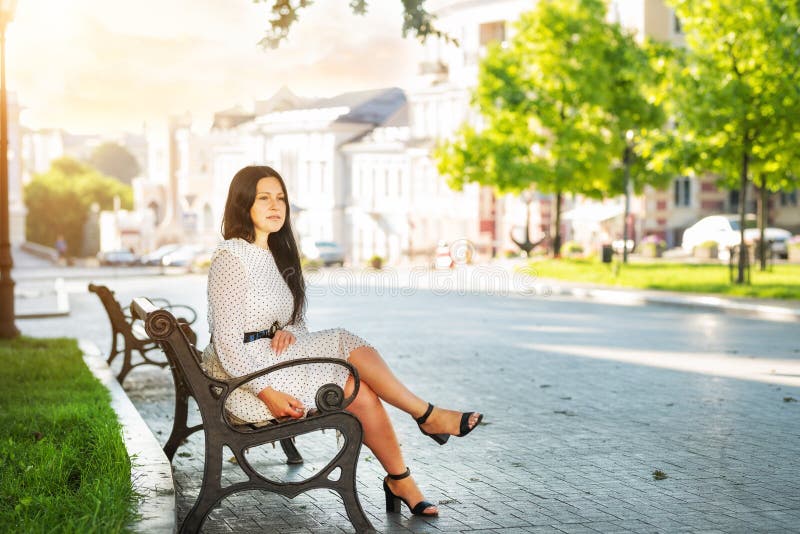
<point x="261" y="334"/>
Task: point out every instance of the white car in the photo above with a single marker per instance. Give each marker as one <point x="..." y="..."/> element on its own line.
<point x="155" y="257"/>
<point x="327" y="252"/>
<point x="724" y="230"/>
<point x="182" y="256"/>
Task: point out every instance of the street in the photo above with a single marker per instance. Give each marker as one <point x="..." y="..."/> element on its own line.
<point x="583" y="402"/>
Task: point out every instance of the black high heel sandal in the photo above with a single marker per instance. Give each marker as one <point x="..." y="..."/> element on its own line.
<point x="463" y="427"/>
<point x="393" y="501"/>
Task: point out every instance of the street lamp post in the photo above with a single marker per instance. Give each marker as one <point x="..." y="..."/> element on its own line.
<point x="627" y="162"/>
<point x="8" y="329"/>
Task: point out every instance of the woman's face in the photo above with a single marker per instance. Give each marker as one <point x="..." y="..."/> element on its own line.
<point x="268" y="211"/>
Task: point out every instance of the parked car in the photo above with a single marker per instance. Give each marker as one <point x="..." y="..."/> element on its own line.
<point x="117" y="257"/>
<point x="155" y="257"/>
<point x="182" y="256"/>
<point x="724" y="230"/>
<point x="328" y="252"/>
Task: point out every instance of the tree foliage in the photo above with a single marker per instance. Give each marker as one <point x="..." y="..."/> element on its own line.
<point x="555" y="103"/>
<point x="737" y="85"/>
<point x="416" y="20"/>
<point x="59" y="201"/>
<point x="737" y="93"/>
<point x="116" y="161"/>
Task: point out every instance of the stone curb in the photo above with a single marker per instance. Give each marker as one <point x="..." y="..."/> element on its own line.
<point x="151" y="472"/>
<point x="544" y="287"/>
<point x="719" y="304"/>
<point x="62" y="304"/>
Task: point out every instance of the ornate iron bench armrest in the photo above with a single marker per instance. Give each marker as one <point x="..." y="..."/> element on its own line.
<point x="328" y="399"/>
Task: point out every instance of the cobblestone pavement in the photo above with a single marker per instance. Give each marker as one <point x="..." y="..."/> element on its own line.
<point x="584" y="402"/>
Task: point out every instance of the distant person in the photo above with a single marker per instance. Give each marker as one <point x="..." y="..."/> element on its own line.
<point x="61" y="248"/>
<point x="256" y="315"/>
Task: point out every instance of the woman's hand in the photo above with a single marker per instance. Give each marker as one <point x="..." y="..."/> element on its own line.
<point x="281" y="404"/>
<point x="281" y="340"/>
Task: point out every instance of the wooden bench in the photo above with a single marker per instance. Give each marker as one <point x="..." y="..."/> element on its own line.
<point x="134" y="337"/>
<point x="210" y="395"/>
<point x="132" y="333"/>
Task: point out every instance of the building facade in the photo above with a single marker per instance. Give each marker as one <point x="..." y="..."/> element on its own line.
<point x="359" y="165"/>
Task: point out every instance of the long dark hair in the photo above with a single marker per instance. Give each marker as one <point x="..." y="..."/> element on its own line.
<point x="236" y="222"/>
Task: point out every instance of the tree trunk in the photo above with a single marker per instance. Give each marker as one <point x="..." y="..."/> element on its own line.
<point x="743" y="212"/>
<point x="763" y="209"/>
<point x="557" y="233"/>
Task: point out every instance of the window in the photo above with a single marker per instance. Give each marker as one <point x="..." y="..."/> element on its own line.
<point x="789" y="199"/>
<point x="676" y="24"/>
<point x="491" y="32"/>
<point x="683" y="192"/>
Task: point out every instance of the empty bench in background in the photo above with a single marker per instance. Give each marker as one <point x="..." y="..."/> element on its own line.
<point x="210" y="395"/>
<point x="132" y="333"/>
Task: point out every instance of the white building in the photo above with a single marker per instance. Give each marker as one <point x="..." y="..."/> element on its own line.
<point x="304" y="143"/>
<point x="399" y="206"/>
<point x="439" y="104"/>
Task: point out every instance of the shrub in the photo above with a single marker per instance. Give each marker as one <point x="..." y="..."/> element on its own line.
<point x="376" y="262"/>
<point x="571" y="248"/>
<point x="310" y="265"/>
<point x="653" y="246"/>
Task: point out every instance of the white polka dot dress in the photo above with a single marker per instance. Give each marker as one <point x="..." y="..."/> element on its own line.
<point x="246" y="293"/>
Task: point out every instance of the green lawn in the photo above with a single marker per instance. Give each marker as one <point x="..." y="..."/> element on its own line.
<point x="782" y="282"/>
<point x="63" y="464"/>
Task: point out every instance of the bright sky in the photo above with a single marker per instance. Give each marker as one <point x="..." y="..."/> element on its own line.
<point x="97" y="66"/>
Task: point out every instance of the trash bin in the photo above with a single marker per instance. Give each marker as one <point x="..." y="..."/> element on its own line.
<point x="608" y="253"/>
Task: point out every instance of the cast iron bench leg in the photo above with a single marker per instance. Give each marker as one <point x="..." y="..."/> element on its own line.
<point x="292" y="455"/>
<point x="347" y="479"/>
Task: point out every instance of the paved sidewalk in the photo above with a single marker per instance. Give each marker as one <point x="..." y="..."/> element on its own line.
<point x="571" y="438"/>
<point x="584" y="400"/>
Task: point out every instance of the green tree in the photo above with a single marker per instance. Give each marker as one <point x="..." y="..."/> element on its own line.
<point x="416" y="20"/>
<point x="737" y="97"/>
<point x="59" y="201"/>
<point x="556" y="102"/>
<point x="116" y="161"/>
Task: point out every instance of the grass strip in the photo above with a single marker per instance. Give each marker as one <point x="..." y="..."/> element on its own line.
<point x="781" y="282"/>
<point x="63" y="464"/>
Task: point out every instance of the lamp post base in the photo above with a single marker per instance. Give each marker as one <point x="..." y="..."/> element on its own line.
<point x="8" y="330"/>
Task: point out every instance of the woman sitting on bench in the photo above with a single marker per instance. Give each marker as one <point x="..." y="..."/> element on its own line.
<point x="256" y="309"/>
